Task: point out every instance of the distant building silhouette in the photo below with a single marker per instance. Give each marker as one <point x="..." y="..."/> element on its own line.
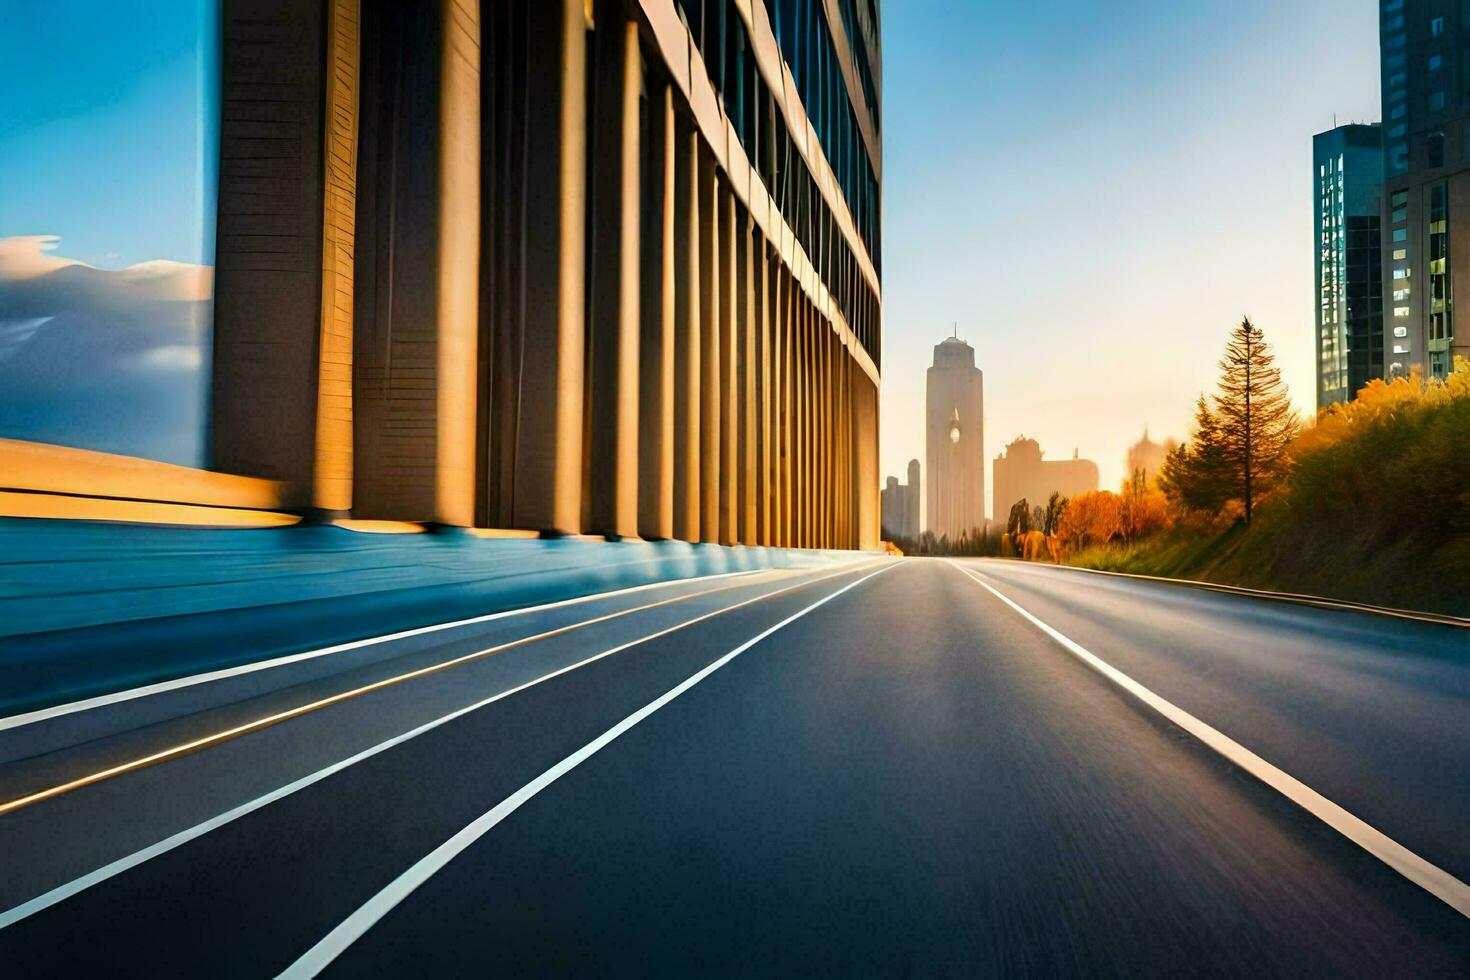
<point x="1021" y="473"/>
<point x="1148" y="456"/>
<point x="955" y="440"/>
<point x="901" y="506"/>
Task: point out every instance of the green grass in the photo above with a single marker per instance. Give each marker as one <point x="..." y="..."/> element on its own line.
<point x="1351" y="564"/>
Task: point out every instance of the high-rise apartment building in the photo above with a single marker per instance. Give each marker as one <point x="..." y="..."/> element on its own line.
<point x="1426" y="191"/>
<point x="955" y="440"/>
<point x="1348" y="172"/>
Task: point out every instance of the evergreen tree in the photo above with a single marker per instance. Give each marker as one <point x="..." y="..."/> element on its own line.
<point x="1238" y="449"/>
<point x="1255" y="419"/>
<point x="1194" y="475"/>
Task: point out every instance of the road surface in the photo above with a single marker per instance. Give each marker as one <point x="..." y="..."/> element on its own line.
<point x="910" y="767"/>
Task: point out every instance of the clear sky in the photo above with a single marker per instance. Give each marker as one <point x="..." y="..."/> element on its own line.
<point x="1096" y="191"/>
<point x="101" y="141"/>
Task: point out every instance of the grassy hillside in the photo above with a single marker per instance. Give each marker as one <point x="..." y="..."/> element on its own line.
<point x="1376" y="509"/>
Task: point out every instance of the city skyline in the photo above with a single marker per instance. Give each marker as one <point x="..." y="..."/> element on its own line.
<point x="1027" y="148"/>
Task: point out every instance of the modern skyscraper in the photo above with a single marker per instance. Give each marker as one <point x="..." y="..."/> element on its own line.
<point x="1021" y="474"/>
<point x="1348" y="168"/>
<point x="911" y="514"/>
<point x="955" y="440"/>
<point x="901" y="506"/>
<point x="1426" y="191"/>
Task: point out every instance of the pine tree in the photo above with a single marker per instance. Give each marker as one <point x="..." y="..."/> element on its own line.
<point x="1194" y="475"/>
<point x="1255" y="420"/>
<point x="1238" y="449"/>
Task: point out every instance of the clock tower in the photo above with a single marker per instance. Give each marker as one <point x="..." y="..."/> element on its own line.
<point x="955" y="440"/>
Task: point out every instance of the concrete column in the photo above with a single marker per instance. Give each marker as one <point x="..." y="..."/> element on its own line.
<point x="821" y="443"/>
<point x="656" y="409"/>
<point x="332" y="490"/>
<point x="849" y="486"/>
<point x="269" y="267"/>
<point x="458" y="310"/>
<point x="788" y="409"/>
<point x="865" y="418"/>
<point x="417" y="265"/>
<point x="798" y="443"/>
<point x="611" y="476"/>
<point x="829" y="435"/>
<point x="814" y="324"/>
<point x="548" y="456"/>
<point x="805" y="477"/>
<point x="711" y="402"/>
<point x="730" y="368"/>
<point x="842" y="483"/>
<point x="688" y="330"/>
<point x="750" y="366"/>
<point x="763" y="483"/>
<point x="781" y="400"/>
<point x="819" y="429"/>
<point x="824" y="431"/>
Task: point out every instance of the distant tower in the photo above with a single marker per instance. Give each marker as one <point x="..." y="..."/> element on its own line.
<point x="911" y="519"/>
<point x="955" y="440"/>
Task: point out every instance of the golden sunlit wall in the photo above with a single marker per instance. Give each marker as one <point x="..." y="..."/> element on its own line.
<point x="577" y="266"/>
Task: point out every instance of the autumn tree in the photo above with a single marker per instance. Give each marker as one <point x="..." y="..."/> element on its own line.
<point x="1239" y="447"/>
<point x="1091" y="518"/>
<point x="1145" y="511"/>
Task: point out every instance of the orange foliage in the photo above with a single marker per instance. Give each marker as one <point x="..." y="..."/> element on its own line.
<point x="1379" y="402"/>
<point x="1144" y="510"/>
<point x="1033" y="546"/>
<point x="1091" y="518"/>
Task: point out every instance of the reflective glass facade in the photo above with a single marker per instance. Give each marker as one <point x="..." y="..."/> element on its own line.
<point x="1349" y="273"/>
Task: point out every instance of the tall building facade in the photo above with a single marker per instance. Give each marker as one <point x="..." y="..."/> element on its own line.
<point x="1348" y="173"/>
<point x="955" y="440"/>
<point x="1022" y="474"/>
<point x="571" y="266"/>
<point x="1426" y="192"/>
<point x="901" y="505"/>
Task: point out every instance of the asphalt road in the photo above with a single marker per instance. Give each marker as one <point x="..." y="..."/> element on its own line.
<point x="884" y="769"/>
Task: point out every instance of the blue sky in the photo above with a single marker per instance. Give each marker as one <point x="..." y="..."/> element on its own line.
<point x="100" y="129"/>
<point x="1096" y="191"/>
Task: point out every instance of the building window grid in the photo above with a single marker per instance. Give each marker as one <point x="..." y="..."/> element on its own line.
<point x="720" y="35"/>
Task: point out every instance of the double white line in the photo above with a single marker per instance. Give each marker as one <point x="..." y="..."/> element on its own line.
<point x="65" y="891"/>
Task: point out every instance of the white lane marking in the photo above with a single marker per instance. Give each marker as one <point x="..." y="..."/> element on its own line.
<point x="245" y="728"/>
<point x="62" y="892"/>
<point x="56" y="711"/>
<point x="1433" y="879"/>
<point x="1295" y="598"/>
<point x="334" y="943"/>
